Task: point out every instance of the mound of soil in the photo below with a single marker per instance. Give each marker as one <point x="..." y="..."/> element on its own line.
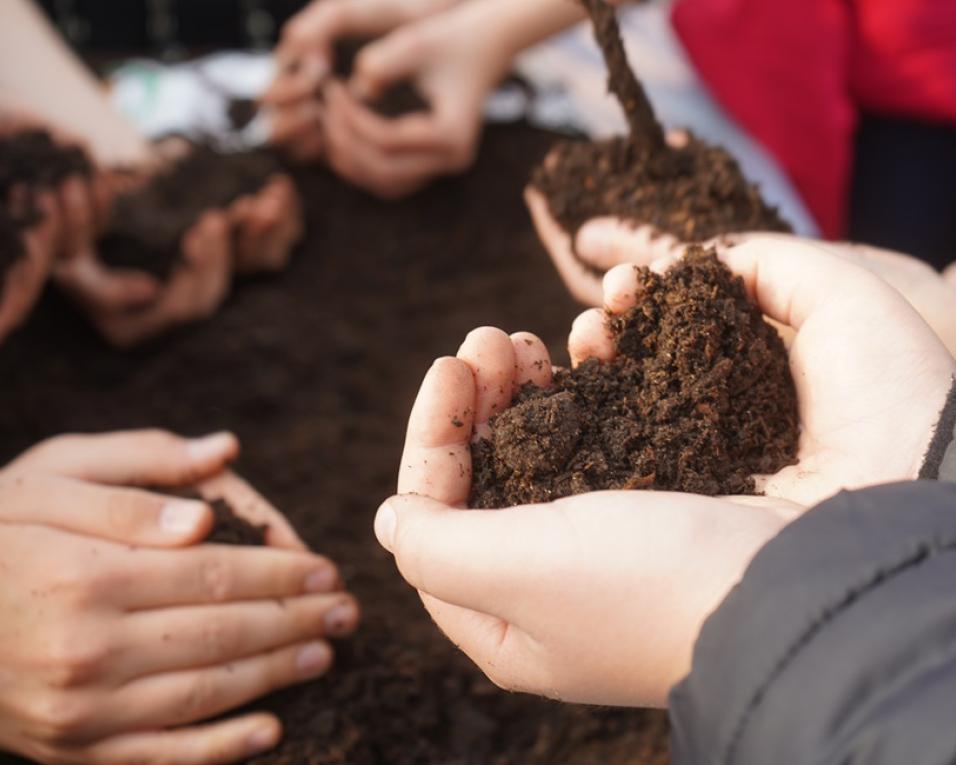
<point x="232" y="529"/>
<point x="316" y="370"/>
<point x="694" y="193"/>
<point x="148" y="224"/>
<point x="699" y="399"/>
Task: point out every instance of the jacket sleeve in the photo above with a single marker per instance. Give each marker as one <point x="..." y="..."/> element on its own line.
<point x="838" y="646"/>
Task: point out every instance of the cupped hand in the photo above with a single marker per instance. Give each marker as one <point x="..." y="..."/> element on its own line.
<point x="117" y="640"/>
<point x="452" y="66"/>
<point x="593" y="598"/>
<point x="267" y="224"/>
<point x="600" y="244"/>
<point x="871" y="375"/>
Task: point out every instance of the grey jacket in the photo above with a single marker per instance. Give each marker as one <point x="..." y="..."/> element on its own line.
<point x="838" y="646"/>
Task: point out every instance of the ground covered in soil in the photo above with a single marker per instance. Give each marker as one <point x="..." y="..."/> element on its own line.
<point x="316" y="370"/>
<point x="699" y="398"/>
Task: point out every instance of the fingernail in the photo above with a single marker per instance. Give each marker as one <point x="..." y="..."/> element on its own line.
<point x="314" y="658"/>
<point x="321" y="580"/>
<point x="181" y="516"/>
<point x="262" y="739"/>
<point x="593" y="239"/>
<point x="340" y="619"/>
<point x="385" y="522"/>
<point x="215" y="446"/>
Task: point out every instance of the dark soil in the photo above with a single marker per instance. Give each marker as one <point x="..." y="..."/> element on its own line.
<point x="32" y="158"/>
<point x="694" y="193"/>
<point x="232" y="529"/>
<point x="316" y="370"/>
<point x="699" y="399"/>
<point x="11" y="243"/>
<point x="148" y="224"/>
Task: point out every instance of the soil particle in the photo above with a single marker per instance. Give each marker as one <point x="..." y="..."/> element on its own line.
<point x="699" y="399"/>
<point x="695" y="192"/>
<point x="148" y="224"/>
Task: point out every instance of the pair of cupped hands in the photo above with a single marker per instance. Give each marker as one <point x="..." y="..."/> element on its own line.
<point x="255" y="233"/>
<point x="599" y="597"/>
<point x="122" y="636"/>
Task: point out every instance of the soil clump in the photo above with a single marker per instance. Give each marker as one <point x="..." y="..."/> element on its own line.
<point x="694" y="192"/>
<point x="231" y="528"/>
<point x="699" y="399"/>
<point x="148" y="224"/>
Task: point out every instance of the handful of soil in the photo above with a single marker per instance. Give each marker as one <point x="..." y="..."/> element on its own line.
<point x="402" y="98"/>
<point x="695" y="192"/>
<point x="148" y="224"/>
<point x="699" y="399"/>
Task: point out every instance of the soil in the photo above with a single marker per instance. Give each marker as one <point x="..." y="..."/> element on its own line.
<point x="699" y="399"/>
<point x="695" y="192"/>
<point x="32" y="158"/>
<point x="148" y="224"/>
<point x="232" y="529"/>
<point x="316" y="370"/>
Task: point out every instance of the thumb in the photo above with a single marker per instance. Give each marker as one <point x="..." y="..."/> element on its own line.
<point x="391" y="59"/>
<point x="132" y="458"/>
<point x="129" y="516"/>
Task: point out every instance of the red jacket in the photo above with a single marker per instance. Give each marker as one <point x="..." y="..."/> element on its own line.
<point x="797" y="74"/>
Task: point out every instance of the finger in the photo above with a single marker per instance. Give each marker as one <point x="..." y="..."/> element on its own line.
<point x="299" y="76"/>
<point x="251" y="505"/>
<point x="790" y="279"/>
<point x="491" y="355"/>
<point x="950" y="273"/>
<point x="583" y="283"/>
<point x="296" y="123"/>
<point x="222" y="742"/>
<point x="532" y="361"/>
<point x="209" y="574"/>
<point x="480" y="560"/>
<point x="133" y="458"/>
<point x="104" y="290"/>
<point x="606" y="242"/>
<point x="436" y="461"/>
<point x="78" y="208"/>
<point x="207" y="636"/>
<point x="130" y="516"/>
<point x="591" y="338"/>
<point x="621" y="289"/>
<point x="180" y="698"/>
<point x="386" y="61"/>
<point x="417" y="132"/>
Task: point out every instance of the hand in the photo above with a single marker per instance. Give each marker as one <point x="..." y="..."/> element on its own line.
<point x="592" y="598"/>
<point x="453" y="65"/>
<point x="304" y="59"/>
<point x="116" y="651"/>
<point x="600" y="244"/>
<point x="129" y="307"/>
<point x="871" y="376"/>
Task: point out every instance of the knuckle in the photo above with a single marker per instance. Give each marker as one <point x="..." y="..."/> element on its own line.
<point x="72" y="663"/>
<point x="198" y="696"/>
<point x="59" y="718"/>
<point x="218" y="581"/>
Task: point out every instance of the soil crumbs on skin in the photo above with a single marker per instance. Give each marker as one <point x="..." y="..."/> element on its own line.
<point x="316" y="370"/>
<point x="148" y="224"/>
<point x="699" y="399"/>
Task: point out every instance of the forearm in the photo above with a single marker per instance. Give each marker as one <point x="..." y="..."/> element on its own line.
<point x="40" y="75"/>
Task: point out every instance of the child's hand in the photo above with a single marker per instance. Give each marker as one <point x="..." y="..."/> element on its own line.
<point x="112" y="641"/>
<point x="268" y="225"/>
<point x="871" y="376"/>
<point x="593" y="598"/>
